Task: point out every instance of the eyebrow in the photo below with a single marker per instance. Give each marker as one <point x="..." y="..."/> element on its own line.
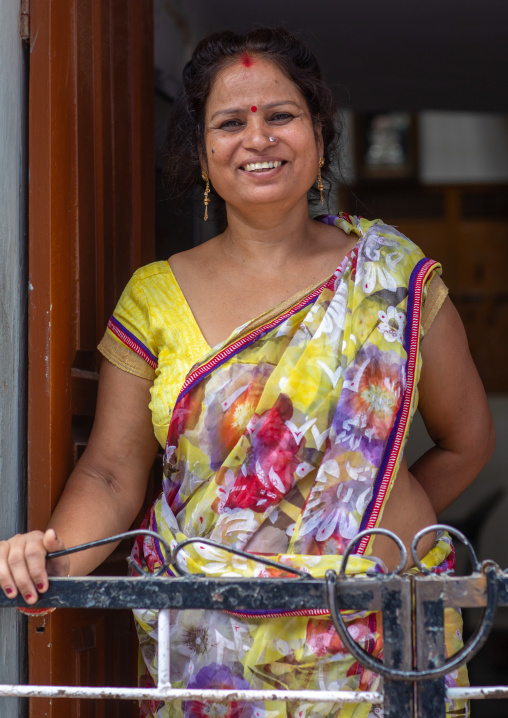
<point x="269" y="106"/>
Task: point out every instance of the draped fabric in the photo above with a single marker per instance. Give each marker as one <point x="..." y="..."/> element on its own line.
<point x="286" y="440"/>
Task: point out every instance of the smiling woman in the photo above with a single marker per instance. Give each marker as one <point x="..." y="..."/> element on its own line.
<point x="266" y="156"/>
<point x="279" y="366"/>
<point x="290" y="57"/>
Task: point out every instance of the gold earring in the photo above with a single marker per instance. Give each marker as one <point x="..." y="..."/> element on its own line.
<point x="207" y="192"/>
<point x="320" y="185"/>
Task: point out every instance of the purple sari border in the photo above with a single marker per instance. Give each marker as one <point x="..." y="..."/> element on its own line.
<point x="394" y="443"/>
<point x="130" y="340"/>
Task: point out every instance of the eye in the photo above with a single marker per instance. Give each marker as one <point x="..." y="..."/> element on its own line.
<point x="281" y="118"/>
<point x="230" y="125"/>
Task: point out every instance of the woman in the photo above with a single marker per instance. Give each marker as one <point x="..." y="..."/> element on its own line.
<point x="283" y="433"/>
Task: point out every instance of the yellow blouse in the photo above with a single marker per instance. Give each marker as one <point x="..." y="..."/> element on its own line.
<point x="153" y="310"/>
<point x="153" y="334"/>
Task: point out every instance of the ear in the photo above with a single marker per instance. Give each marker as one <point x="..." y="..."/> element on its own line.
<point x="203" y="164"/>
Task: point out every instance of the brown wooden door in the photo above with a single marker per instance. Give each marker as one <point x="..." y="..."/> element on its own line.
<point x="90" y="225"/>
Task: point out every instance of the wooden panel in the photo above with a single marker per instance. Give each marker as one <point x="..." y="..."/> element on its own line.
<point x="486" y="321"/>
<point x="91" y="224"/>
<point x="483" y="256"/>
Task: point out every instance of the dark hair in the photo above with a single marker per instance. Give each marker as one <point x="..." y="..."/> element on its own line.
<point x="186" y="126"/>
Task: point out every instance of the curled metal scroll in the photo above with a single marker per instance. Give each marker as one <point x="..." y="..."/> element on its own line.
<point x="470" y="649"/>
<point x="368" y="532"/>
<point x="121" y="537"/>
<point x="170" y="559"/>
<point x="235" y="551"/>
<point x="451" y="530"/>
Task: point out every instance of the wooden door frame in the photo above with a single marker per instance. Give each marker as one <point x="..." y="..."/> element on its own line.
<point x="91" y="197"/>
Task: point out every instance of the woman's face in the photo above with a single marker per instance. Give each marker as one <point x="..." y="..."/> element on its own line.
<point x="251" y="101"/>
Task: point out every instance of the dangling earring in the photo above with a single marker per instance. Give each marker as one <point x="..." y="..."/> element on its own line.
<point x="320" y="185"/>
<point x="207" y="192"/>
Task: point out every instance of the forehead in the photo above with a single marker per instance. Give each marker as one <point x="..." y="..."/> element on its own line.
<point x="238" y="85"/>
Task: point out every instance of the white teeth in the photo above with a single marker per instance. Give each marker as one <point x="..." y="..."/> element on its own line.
<point x="256" y="166"/>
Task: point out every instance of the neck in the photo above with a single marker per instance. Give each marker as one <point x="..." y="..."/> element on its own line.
<point x="268" y="235"/>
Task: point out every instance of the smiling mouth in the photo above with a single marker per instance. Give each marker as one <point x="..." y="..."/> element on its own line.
<point x="262" y="166"/>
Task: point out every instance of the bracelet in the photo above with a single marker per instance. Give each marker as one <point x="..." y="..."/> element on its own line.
<point x="27" y="611"/>
<point x="35" y="611"/>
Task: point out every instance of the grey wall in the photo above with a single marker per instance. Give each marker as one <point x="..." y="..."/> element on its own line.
<point x="12" y="327"/>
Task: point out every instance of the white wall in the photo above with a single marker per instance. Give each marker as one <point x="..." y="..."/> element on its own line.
<point x="458" y="147"/>
<point x="455" y="147"/>
<point x="12" y="326"/>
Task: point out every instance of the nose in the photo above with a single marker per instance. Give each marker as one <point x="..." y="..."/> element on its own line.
<point x="256" y="135"/>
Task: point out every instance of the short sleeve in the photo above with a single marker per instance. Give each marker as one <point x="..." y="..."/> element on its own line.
<point x="436" y="293"/>
<point x="128" y="342"/>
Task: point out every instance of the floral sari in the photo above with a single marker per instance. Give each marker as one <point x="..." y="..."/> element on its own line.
<point x="297" y="423"/>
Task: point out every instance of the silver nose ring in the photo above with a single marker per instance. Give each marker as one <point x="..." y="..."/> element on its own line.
<point x="271" y="139"/>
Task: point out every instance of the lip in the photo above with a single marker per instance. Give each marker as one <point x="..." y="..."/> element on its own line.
<point x="262" y="158"/>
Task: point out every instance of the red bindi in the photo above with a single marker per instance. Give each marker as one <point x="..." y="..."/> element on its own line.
<point x="247" y="59"/>
<point x="254" y="108"/>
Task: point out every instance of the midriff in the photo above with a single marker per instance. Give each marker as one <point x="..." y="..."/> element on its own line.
<point x="407" y="511"/>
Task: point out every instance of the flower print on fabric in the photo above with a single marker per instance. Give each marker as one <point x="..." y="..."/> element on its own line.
<point x="287" y="432"/>
<point x="220" y="677"/>
<point x="197" y="642"/>
<point x="371" y="396"/>
<point x="374" y="272"/>
<point x="336" y="504"/>
<point x="268" y="473"/>
<point x="185" y="415"/>
<point x="234" y="400"/>
<point x="392" y="324"/>
<point x="322" y="638"/>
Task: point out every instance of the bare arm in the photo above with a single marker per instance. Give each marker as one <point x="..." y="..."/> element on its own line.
<point x="103" y="494"/>
<point x="455" y="411"/>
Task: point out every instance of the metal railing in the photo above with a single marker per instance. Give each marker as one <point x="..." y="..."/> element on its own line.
<point x="412" y="607"/>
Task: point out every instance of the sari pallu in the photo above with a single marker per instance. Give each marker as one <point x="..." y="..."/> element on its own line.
<point x="293" y="430"/>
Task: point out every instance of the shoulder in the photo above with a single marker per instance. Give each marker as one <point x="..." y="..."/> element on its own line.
<point x="377" y="232"/>
<point x="150" y="273"/>
<point x="374" y="234"/>
<point x="152" y="283"/>
<point x="150" y="288"/>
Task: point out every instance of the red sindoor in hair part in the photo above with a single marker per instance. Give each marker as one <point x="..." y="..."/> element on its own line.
<point x="247" y="59"/>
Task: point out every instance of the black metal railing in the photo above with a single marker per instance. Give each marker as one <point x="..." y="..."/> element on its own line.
<point x="412" y="606"/>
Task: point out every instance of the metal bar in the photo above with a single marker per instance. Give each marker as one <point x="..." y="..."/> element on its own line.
<point x="248" y="594"/>
<point x="177" y="694"/>
<point x="430" y="645"/>
<point x="259" y="594"/>
<point x="163" y="651"/>
<point x="396" y="605"/>
<point x="477" y="692"/>
<point x="375" y="697"/>
<point x="391" y="594"/>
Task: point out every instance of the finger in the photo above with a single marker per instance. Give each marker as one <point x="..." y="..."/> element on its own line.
<point x="35" y="556"/>
<point x="7" y="583"/>
<point x="55" y="566"/>
<point x="18" y="566"/>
